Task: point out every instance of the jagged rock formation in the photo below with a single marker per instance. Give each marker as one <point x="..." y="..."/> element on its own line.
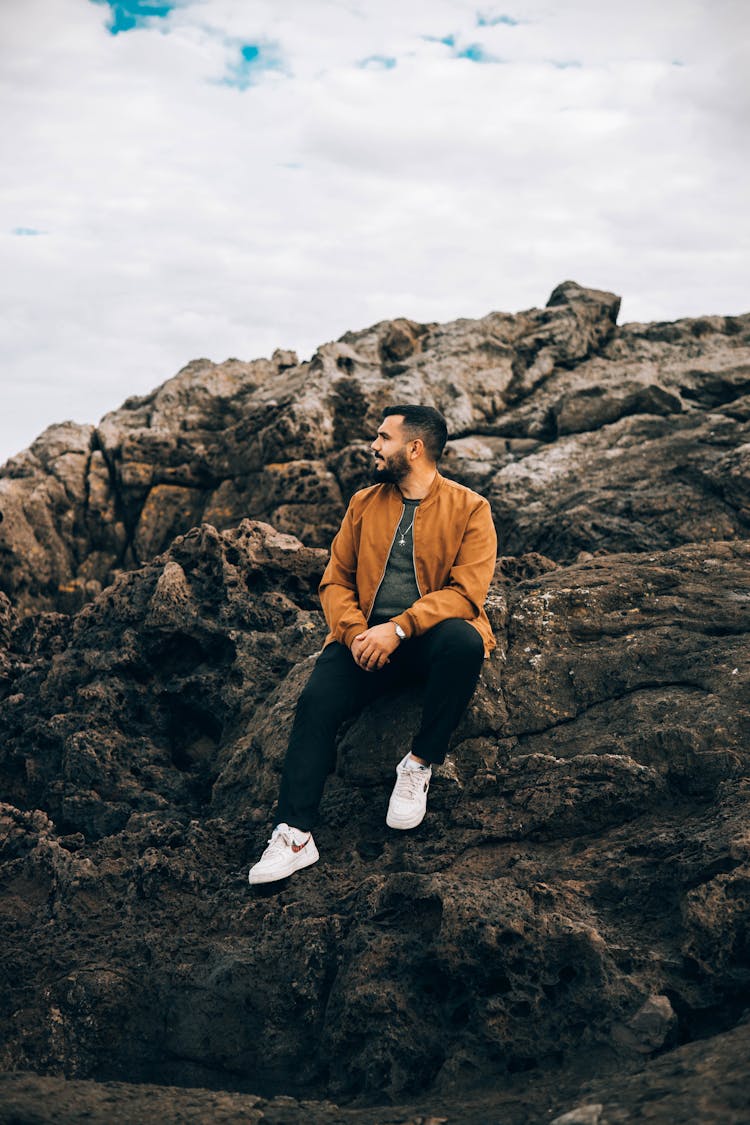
<point x="584" y="436"/>
<point x="569" y="925"/>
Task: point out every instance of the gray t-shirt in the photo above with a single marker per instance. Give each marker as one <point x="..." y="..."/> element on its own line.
<point x="399" y="589"/>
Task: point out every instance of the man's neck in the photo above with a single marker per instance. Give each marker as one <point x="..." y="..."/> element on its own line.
<point x="417" y="484"/>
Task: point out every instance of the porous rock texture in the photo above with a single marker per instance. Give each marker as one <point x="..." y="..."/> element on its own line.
<point x="583" y="436"/>
<point x="567" y="933"/>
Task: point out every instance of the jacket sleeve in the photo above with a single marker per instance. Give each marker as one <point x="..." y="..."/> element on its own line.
<point x="465" y="590"/>
<point x="338" y="586"/>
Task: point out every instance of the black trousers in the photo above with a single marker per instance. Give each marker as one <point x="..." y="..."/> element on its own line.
<point x="447" y="659"/>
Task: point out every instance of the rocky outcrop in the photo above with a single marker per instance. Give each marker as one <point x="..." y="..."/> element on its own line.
<point x="565" y="935"/>
<point x="576" y="892"/>
<point x="584" y="436"/>
<point x="698" y="1082"/>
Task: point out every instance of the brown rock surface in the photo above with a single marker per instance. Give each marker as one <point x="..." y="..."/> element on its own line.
<point x="701" y="1082"/>
<point x="584" y="435"/>
<point x="567" y="932"/>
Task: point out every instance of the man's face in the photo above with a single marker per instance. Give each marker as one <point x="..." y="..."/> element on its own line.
<point x="391" y="463"/>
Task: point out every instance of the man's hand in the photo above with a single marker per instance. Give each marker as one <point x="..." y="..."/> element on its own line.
<point x="372" y="648"/>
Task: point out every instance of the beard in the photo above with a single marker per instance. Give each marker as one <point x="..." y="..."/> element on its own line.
<point x="390" y="470"/>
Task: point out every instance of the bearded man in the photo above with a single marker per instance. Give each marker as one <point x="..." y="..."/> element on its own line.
<point x="403" y="596"/>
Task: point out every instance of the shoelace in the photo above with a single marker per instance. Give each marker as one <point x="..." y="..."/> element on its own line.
<point x="283" y="839"/>
<point x="409" y="783"/>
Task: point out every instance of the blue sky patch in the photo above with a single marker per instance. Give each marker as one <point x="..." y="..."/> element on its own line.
<point x="377" y="62"/>
<point x="254" y="59"/>
<point x="566" y="64"/>
<point x="494" y="21"/>
<point x="26" y="232"/>
<point x="475" y="52"/>
<point x="129" y="14"/>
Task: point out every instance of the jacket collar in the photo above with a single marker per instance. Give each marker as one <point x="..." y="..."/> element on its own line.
<point x="392" y="492"/>
<point x="435" y="487"/>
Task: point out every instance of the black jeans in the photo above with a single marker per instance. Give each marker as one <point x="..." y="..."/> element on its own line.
<point x="447" y="659"/>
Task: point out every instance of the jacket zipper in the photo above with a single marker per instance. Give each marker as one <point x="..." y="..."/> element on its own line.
<point x="414" y="554"/>
<point x="385" y="564"/>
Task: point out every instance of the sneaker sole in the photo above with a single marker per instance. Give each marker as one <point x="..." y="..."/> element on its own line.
<point x="402" y="823"/>
<point x="306" y="860"/>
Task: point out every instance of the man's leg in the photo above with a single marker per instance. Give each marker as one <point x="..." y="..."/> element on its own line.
<point x="337" y="689"/>
<point x="449" y="659"/>
<point x="451" y="655"/>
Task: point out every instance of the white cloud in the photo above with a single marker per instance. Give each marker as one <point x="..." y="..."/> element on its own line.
<point x="182" y="216"/>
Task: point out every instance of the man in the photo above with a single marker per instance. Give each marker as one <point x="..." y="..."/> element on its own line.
<point x="403" y="596"/>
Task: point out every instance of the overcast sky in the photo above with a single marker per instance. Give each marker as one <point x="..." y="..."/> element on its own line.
<point x="223" y="177"/>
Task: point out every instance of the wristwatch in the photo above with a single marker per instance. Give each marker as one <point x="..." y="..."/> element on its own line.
<point x="400" y="632"/>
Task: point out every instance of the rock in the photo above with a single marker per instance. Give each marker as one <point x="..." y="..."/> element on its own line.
<point x="167" y="506"/>
<point x="565" y="932"/>
<point x="640" y="484"/>
<point x="582" y="1115"/>
<point x="594" y="407"/>
<point x="151" y="743"/>
<point x="399" y="340"/>
<point x="41" y="502"/>
<point x="699" y="1078"/>
<point x="284" y="357"/>
<point x="474" y="460"/>
<point x="651" y="1026"/>
<point x="212" y="604"/>
<point x="700" y="1081"/>
<point x="586" y="436"/>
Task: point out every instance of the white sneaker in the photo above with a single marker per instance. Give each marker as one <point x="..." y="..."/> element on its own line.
<point x="408" y="802"/>
<point x="288" y="850"/>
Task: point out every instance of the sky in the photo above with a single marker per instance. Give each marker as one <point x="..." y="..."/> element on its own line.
<point x="219" y="178"/>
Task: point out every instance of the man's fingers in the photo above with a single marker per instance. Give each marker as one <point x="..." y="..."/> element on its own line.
<point x="368" y="654"/>
<point x="371" y="661"/>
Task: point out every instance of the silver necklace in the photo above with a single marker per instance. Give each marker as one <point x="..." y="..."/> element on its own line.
<point x="403" y="534"/>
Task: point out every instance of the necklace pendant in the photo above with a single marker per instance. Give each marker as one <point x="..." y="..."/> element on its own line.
<point x="402" y="542"/>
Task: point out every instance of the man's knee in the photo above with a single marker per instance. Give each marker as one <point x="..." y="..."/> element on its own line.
<point x="457" y="639"/>
<point x="329" y="688"/>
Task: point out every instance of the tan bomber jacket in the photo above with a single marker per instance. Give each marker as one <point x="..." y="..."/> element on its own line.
<point x="455" y="546"/>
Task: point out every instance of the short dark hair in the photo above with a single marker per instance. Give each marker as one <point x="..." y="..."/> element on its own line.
<point x="423" y="422"/>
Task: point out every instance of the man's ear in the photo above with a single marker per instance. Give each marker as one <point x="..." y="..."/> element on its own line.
<point x="417" y="448"/>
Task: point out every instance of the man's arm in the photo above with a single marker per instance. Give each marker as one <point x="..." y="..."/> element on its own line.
<point x="338" y="595"/>
<point x="338" y="586"/>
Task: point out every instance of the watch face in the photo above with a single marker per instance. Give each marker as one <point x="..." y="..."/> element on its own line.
<point x="400" y="633"/>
